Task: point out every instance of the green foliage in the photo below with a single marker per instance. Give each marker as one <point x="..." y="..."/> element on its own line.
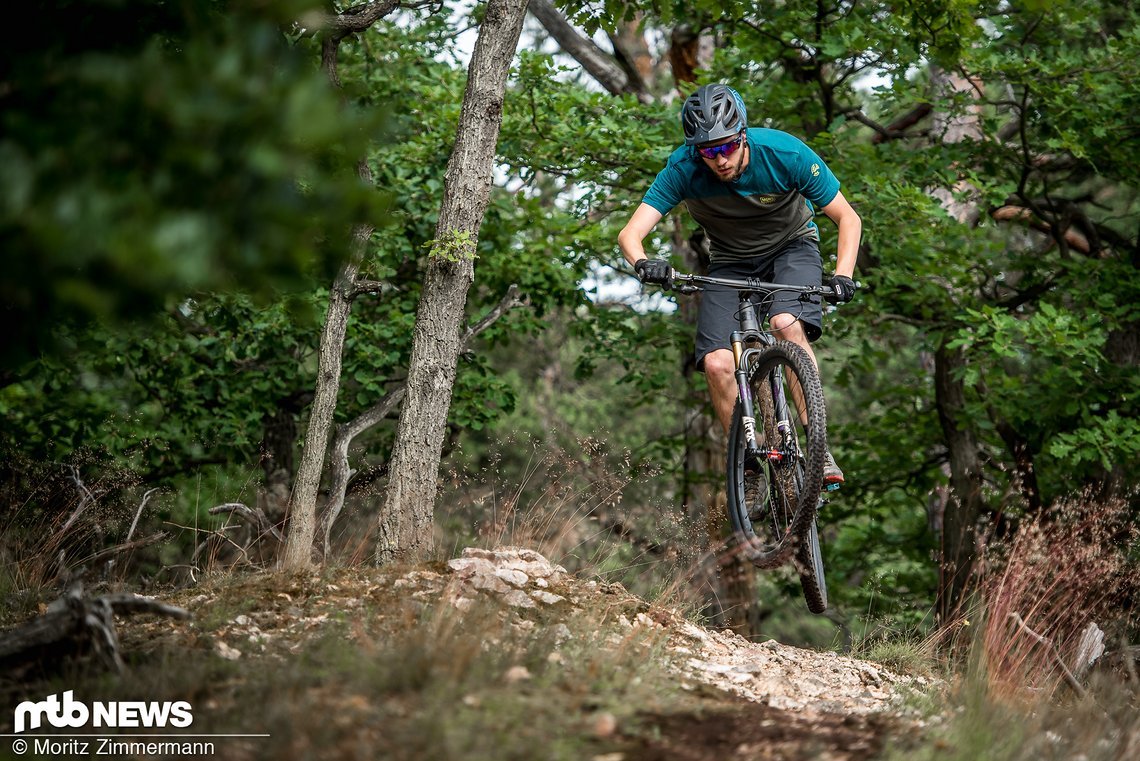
<point x="457" y="246"/>
<point x="150" y="153"/>
<point x="197" y="384"/>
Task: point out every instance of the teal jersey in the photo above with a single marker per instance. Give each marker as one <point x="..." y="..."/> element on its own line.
<point x="769" y="205"/>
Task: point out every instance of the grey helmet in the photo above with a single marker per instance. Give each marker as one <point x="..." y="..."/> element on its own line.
<point x="712" y="113"/>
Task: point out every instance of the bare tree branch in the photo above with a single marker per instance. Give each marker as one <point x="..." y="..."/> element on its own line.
<point x="361" y="287"/>
<point x="896" y="129"/>
<point x="361" y="17"/>
<point x="253" y="516"/>
<point x="340" y="472"/>
<point x="599" y="64"/>
<point x="1073" y="238"/>
<point x="142" y="505"/>
<point x="85" y="499"/>
<point x="1070" y="678"/>
<point x="127" y="546"/>
<point x="509" y="301"/>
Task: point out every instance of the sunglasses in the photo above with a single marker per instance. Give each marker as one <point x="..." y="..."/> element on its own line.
<point x="725" y="149"/>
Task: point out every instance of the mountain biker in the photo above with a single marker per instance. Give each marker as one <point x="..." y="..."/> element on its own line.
<point x="753" y="191"/>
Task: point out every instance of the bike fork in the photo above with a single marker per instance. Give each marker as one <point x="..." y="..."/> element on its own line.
<point x="747" y="407"/>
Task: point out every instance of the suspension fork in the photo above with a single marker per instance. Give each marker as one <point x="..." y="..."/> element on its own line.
<point x="749" y="329"/>
<point x="742" y="356"/>
<point x="747" y="406"/>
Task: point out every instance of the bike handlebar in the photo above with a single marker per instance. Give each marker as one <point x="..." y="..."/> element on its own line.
<point x="685" y="283"/>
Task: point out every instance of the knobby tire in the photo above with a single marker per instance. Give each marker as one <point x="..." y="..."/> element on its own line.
<point x="792" y="485"/>
<point x="809" y="564"/>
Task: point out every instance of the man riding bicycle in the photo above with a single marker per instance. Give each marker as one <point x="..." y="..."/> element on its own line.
<point x="752" y="190"/>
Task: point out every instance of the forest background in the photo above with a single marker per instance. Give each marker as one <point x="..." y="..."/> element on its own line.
<point x="181" y="188"/>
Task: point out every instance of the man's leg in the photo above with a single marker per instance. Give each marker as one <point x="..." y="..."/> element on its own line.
<point x="720" y="373"/>
<point x="716" y="320"/>
<point x="788" y="328"/>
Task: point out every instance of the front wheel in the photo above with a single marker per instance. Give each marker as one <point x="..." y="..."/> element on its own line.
<point x="773" y="494"/>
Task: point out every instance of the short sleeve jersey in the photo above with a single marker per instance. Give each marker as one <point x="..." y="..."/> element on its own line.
<point x="769" y="205"/>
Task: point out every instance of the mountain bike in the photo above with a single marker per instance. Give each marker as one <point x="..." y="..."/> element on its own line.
<point x="777" y="439"/>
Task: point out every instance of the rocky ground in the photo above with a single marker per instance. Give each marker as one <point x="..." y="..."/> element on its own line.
<point x="794" y="703"/>
<point x="739" y="699"/>
<point x="768" y="673"/>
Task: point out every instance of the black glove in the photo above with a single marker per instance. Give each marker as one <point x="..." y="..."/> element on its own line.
<point x="655" y="271"/>
<point x="844" y="288"/>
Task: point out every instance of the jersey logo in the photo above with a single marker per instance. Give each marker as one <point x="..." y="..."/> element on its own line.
<point x="815" y="170"/>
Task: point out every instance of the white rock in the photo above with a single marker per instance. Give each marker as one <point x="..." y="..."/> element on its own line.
<point x="227" y="652"/>
<point x="512" y="576"/>
<point x="516" y="674"/>
<point x="519" y="599"/>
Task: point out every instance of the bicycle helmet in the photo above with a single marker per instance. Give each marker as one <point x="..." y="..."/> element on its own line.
<point x="712" y="113"/>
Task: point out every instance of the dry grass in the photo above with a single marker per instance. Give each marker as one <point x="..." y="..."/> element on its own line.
<point x="592" y="512"/>
<point x="1021" y="696"/>
<point x="1063" y="571"/>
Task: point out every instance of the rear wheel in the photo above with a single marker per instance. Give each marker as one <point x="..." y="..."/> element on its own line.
<point x="773" y="494"/>
<point x="809" y="564"/>
<point x="808" y="559"/>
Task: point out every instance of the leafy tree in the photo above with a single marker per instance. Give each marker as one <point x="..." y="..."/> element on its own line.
<point x="406" y="528"/>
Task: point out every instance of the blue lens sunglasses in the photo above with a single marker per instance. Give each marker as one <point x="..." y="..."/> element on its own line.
<point x="725" y="149"/>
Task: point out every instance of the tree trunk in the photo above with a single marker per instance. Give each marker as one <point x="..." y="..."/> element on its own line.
<point x="689" y="50"/>
<point x="966" y="506"/>
<point x="601" y="66"/>
<point x="406" y="518"/>
<point x="303" y="502"/>
<point x="960" y="520"/>
<point x="954" y="128"/>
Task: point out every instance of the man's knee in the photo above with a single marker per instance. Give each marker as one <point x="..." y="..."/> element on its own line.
<point x="788" y="327"/>
<point x="719" y="363"/>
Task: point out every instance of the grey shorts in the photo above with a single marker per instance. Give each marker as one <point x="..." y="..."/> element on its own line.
<point x="798" y="263"/>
